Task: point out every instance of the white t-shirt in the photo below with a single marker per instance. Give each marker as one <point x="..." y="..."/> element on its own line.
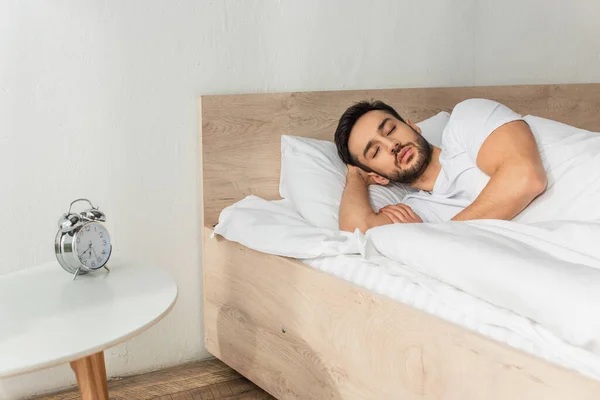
<point x="460" y="181"/>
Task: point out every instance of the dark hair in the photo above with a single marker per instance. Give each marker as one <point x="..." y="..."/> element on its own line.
<point x="347" y="121"/>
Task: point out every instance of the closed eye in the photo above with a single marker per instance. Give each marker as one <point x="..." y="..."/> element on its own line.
<point x="376" y="151"/>
<point x="391" y="130"/>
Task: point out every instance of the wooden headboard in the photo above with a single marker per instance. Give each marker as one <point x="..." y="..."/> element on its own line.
<point x="240" y="134"/>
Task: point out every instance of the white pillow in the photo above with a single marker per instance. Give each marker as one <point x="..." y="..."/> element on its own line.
<point x="432" y="128"/>
<point x="313" y="176"/>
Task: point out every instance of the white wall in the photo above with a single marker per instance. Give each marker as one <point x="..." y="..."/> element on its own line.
<point x="99" y="99"/>
<point x="536" y="41"/>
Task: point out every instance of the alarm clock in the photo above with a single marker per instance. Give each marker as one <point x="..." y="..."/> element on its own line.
<point x="82" y="242"/>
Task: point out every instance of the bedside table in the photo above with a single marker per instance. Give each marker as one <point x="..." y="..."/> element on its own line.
<point x="47" y="318"/>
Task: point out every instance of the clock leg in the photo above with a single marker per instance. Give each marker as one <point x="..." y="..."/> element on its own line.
<point x="77" y="273"/>
<point x="91" y="377"/>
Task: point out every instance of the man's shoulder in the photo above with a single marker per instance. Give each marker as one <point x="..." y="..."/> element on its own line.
<point x="473" y="117"/>
<point x="473" y="108"/>
<point x="463" y="114"/>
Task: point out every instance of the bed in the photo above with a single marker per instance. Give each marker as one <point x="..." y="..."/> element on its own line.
<point x="300" y="333"/>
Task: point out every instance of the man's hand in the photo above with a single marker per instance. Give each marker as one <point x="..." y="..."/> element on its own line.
<point x="400" y="214"/>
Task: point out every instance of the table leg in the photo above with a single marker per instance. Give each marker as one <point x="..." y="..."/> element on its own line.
<point x="91" y="377"/>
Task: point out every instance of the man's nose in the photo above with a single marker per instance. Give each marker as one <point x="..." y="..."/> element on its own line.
<point x="391" y="146"/>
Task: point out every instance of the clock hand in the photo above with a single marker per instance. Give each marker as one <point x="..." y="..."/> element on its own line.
<point x="83" y="253"/>
<point x="88" y="250"/>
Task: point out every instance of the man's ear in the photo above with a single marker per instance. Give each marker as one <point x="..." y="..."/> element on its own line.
<point x="414" y="126"/>
<point x="378" y="179"/>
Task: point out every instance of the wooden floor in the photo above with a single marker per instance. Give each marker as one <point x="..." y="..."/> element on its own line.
<point x="197" y="381"/>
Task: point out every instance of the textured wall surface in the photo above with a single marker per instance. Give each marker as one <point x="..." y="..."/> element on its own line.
<point x="99" y="99"/>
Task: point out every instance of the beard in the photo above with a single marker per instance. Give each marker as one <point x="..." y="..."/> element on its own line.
<point x="422" y="157"/>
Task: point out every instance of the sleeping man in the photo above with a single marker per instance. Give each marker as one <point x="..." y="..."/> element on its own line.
<point x="489" y="168"/>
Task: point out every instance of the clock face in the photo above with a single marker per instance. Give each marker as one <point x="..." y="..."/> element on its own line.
<point x="92" y="245"/>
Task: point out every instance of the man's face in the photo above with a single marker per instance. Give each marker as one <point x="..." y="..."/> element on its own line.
<point x="392" y="149"/>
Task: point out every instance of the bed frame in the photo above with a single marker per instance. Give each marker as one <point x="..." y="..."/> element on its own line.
<point x="302" y="334"/>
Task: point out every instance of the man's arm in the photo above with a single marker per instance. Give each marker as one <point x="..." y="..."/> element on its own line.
<point x="355" y="208"/>
<point x="510" y="157"/>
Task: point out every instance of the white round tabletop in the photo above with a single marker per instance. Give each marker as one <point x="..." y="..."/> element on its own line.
<point x="47" y="318"/>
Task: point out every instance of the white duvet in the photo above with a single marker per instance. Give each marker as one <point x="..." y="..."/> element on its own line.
<point x="548" y="272"/>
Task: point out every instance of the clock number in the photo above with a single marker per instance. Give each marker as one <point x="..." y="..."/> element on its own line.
<point x="101" y="235"/>
<point x="104" y="242"/>
<point x="78" y="239"/>
<point x="95" y="229"/>
<point x="87" y="228"/>
<point x="93" y="264"/>
<point x="103" y="251"/>
<point x="99" y="259"/>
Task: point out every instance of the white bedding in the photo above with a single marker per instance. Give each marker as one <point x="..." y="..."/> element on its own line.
<point x="473" y="291"/>
<point x="548" y="272"/>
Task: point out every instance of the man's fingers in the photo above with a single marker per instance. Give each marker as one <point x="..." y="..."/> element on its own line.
<point x="390" y="215"/>
<point x="397" y="209"/>
<point x="401" y="213"/>
<point x="398" y="214"/>
<point x="413" y="215"/>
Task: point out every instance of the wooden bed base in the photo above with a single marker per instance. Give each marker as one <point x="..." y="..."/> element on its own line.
<point x="303" y="334"/>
